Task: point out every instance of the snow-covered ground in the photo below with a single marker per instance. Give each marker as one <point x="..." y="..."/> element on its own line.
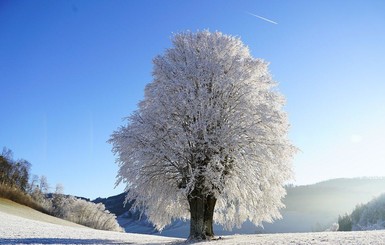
<point x="18" y="230"/>
<point x="25" y="229"/>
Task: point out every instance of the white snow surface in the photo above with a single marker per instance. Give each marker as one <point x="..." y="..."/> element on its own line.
<point x="19" y="230"/>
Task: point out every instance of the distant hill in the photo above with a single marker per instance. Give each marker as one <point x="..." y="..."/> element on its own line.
<point x="315" y="207"/>
<point x="115" y="204"/>
<point x="340" y="195"/>
<point x="308" y="208"/>
<point x="131" y="221"/>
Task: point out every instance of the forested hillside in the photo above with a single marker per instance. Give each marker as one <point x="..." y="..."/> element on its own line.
<point x="318" y="205"/>
<point x="369" y="216"/>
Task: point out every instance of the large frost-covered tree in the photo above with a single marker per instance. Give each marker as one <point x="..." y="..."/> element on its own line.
<point x="209" y="140"/>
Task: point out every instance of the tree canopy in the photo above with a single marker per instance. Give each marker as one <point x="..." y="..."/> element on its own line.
<point x="210" y="127"/>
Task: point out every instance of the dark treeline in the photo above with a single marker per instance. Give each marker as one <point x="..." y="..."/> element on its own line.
<point x="14" y="181"/>
<point x="14" y="173"/>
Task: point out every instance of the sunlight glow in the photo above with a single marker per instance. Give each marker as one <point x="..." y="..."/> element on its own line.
<point x="355" y="138"/>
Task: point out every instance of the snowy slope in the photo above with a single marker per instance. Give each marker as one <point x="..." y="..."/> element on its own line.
<point x="18" y="230"/>
<point x="10" y="207"/>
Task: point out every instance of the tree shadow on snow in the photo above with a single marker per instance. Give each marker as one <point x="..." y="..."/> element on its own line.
<point x="187" y="242"/>
<point x="59" y="241"/>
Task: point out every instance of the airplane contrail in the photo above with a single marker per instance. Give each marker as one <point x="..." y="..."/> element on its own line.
<point x="263" y="18"/>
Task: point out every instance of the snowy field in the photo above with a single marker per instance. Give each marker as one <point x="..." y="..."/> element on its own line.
<point x="21" y="229"/>
<point x="18" y="230"/>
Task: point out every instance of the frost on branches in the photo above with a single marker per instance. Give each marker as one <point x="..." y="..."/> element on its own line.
<point x="209" y="140"/>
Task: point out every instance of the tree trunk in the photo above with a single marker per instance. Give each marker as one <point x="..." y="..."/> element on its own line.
<point x="208" y="216"/>
<point x="197" y="224"/>
<point x="201" y="212"/>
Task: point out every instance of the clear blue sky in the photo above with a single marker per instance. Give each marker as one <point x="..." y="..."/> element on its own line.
<point x="70" y="71"/>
